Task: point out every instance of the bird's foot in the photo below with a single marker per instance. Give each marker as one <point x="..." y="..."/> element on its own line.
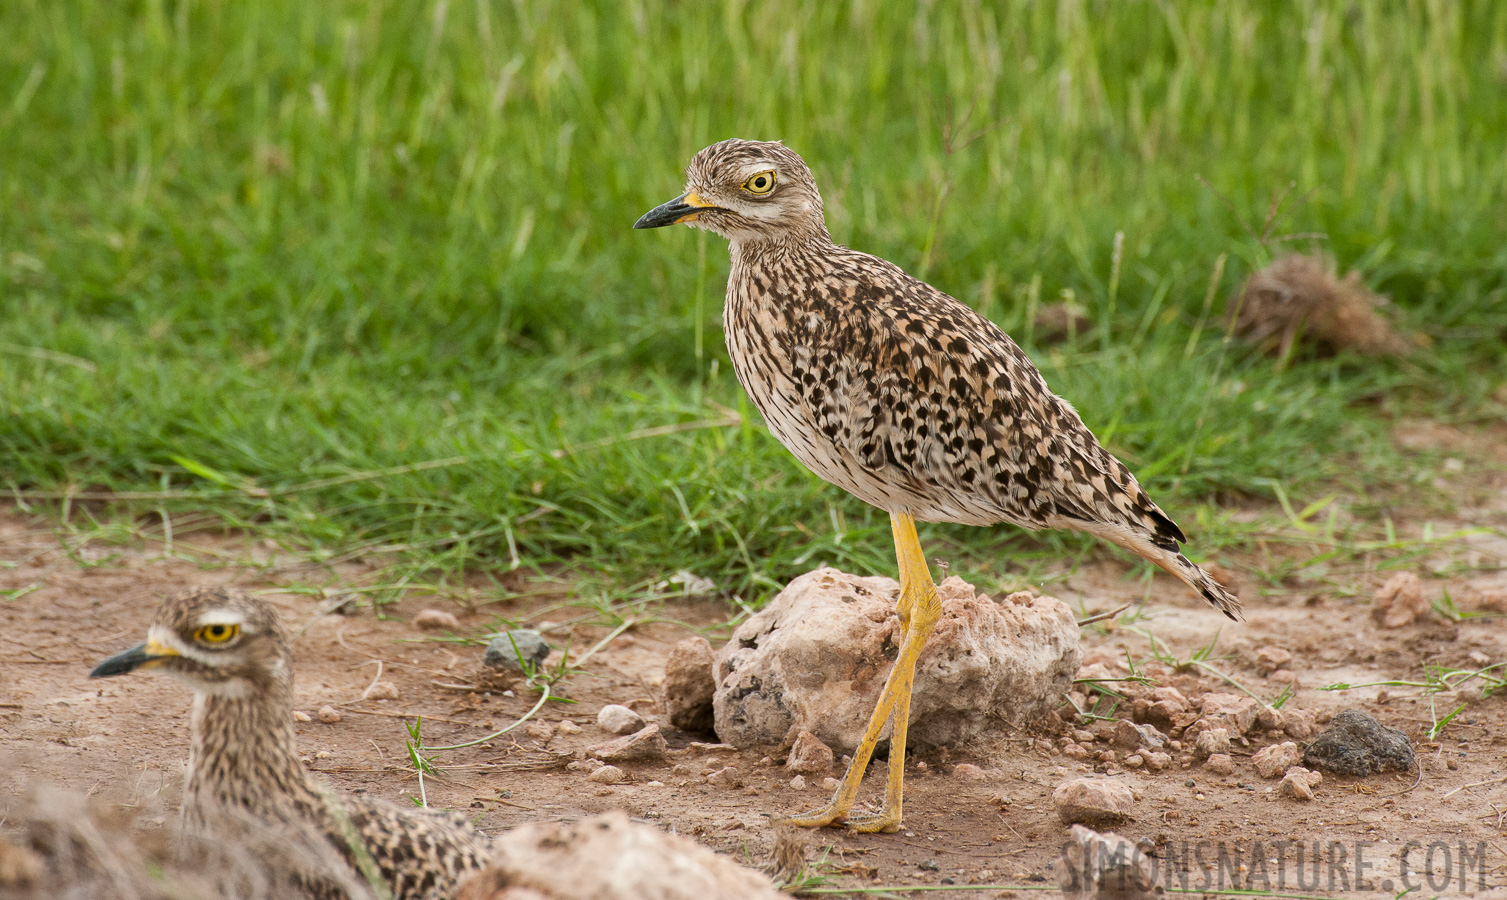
<point x="831" y="814"/>
<point x="882" y="822"/>
<point x="837" y="815"/>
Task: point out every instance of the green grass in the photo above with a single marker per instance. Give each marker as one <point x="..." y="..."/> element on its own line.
<point x="247" y="249"/>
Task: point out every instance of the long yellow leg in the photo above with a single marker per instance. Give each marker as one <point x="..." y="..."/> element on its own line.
<point x="919" y="609"/>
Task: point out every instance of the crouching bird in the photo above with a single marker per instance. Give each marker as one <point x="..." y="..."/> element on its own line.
<point x="230" y="648"/>
<point x="905" y="398"/>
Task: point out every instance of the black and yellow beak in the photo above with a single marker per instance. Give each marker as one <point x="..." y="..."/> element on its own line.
<point x="682" y="209"/>
<point x="142" y="656"/>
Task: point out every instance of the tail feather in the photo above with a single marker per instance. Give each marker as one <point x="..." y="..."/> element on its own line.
<point x="1196" y="578"/>
<point x="1169" y="559"/>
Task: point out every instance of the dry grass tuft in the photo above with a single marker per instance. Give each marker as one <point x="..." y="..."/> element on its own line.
<point x="58" y="845"/>
<point x="1300" y="296"/>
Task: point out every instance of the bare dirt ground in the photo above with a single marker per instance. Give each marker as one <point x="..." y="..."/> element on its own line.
<point x="1441" y="829"/>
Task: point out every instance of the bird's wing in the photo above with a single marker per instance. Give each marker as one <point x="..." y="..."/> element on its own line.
<point x="935" y="397"/>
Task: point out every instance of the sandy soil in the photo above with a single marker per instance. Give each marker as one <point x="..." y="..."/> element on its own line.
<point x="126" y="739"/>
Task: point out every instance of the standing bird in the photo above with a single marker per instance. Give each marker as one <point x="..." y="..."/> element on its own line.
<point x="232" y="650"/>
<point x="905" y="398"/>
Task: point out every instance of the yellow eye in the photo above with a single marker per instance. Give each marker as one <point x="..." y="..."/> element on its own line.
<point x="216" y="634"/>
<point x="761" y="183"/>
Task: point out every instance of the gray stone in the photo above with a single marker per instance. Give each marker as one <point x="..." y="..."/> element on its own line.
<point x="615" y="719"/>
<point x="1356" y="744"/>
<point x="816" y="658"/>
<point x="647" y="745"/>
<point x="689" y="685"/>
<point x="1098" y="866"/>
<point x="502" y="655"/>
<point x="1090" y="800"/>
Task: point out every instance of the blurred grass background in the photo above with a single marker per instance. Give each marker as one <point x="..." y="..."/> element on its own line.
<point x="360" y="275"/>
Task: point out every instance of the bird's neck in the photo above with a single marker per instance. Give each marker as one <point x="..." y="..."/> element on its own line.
<point x="243" y="755"/>
<point x="762" y="251"/>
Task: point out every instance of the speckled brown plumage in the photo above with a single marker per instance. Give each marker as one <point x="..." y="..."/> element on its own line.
<point x="243" y="755"/>
<point x="894" y="391"/>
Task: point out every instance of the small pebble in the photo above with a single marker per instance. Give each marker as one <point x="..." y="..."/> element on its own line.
<point x="541" y="731"/>
<point x="616" y="719"/>
<point x="436" y="620"/>
<point x="683" y="769"/>
<point x="301" y="716"/>
<point x="584" y="765"/>
<point x="1133" y="761"/>
<point x="568" y="727"/>
<point x="1220" y="764"/>
<point x="829" y="783"/>
<point x="654" y="784"/>
<point x="324" y="754"/>
<point x="329" y="715"/>
<point x="726" y="776"/>
<point x="1083" y="737"/>
<point x="969" y="771"/>
<point x="798" y="783"/>
<point x="607" y="775"/>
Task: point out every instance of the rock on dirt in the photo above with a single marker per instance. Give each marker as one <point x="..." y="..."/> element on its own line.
<point x="1400" y="601"/>
<point x="609" y="858"/>
<point x="505" y="650"/>
<point x="1129" y="736"/>
<point x="1090" y="800"/>
<point x="616" y="719"/>
<point x="607" y="775"/>
<point x="816" y="657"/>
<point x="1220" y="764"/>
<point x="645" y="745"/>
<point x="1157" y="761"/>
<point x="809" y="756"/>
<point x="329" y="715"/>
<point x="1276" y="759"/>
<point x="435" y="620"/>
<point x="540" y="731"/>
<point x="1270" y="659"/>
<point x="1212" y="742"/>
<point x="1096" y="866"/>
<point x="1299" y="783"/>
<point x="379" y="690"/>
<point x="1235" y="713"/>
<point x="1356" y="744"/>
<point x="689" y="685"/>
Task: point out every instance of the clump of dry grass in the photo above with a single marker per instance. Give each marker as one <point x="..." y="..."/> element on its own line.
<point x="1300" y="297"/>
<point x="57" y="845"/>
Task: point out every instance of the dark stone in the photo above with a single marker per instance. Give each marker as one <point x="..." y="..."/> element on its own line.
<point x="530" y="645"/>
<point x="1356" y="744"/>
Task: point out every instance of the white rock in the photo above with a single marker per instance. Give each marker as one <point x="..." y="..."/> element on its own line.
<point x="816" y="658"/>
<point x="609" y="858"/>
<point x="616" y="719"/>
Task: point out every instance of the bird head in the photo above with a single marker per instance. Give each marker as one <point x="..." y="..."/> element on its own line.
<point x="745" y="191"/>
<point x="218" y="641"/>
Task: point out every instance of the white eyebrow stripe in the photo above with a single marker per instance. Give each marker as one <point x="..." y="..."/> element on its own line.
<point x="222" y="617"/>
